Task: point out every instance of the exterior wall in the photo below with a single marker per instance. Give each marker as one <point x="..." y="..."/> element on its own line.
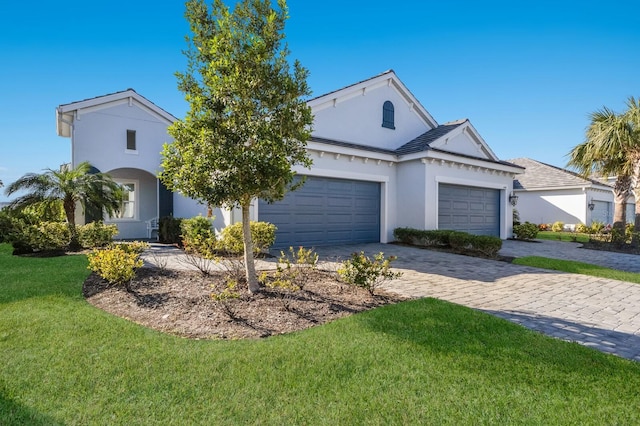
<point x="100" y="136"/>
<point x="461" y="144"/>
<point x="568" y="206"/>
<point x="411" y="193"/>
<point x="359" y="120"/>
<point x="458" y="174"/>
<point x="185" y="207"/>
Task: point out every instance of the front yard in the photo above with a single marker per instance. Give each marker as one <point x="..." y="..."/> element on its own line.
<point x="63" y="361"/>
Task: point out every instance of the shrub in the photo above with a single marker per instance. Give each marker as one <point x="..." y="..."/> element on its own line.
<point x="557" y="226"/>
<point x="96" y="234"/>
<point x="117" y="265"/>
<point x="460" y="241"/>
<point x="485" y="245"/>
<point x="46" y="236"/>
<point x="597" y="227"/>
<point x="170" y="230"/>
<point x="629" y="230"/>
<point x="263" y="235"/>
<point x="362" y="271"/>
<point x="582" y="228"/>
<point x="134" y="247"/>
<point x="294" y="269"/>
<point x="525" y="231"/>
<point x="427" y="238"/>
<point x="198" y="236"/>
<point x="543" y="227"/>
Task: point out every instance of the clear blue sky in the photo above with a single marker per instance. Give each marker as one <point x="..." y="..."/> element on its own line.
<point x="526" y="74"/>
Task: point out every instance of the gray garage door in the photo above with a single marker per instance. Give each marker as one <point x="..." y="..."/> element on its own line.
<point x="325" y="211"/>
<point x="602" y="212"/>
<point x="470" y="209"/>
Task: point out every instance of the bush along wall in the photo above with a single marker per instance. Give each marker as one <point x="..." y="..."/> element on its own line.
<point x="460" y="242"/>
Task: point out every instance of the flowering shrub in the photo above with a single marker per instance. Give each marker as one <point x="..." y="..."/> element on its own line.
<point x="362" y="271"/>
<point x="543" y="227"/>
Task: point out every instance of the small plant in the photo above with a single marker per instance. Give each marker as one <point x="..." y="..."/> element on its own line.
<point x="557" y="226"/>
<point x="362" y="271"/>
<point x="226" y="297"/>
<point x="115" y="264"/>
<point x="170" y="230"/>
<point x="543" y="226"/>
<point x="597" y="227"/>
<point x="297" y="266"/>
<point x="581" y="228"/>
<point x="198" y="237"/>
<point x="525" y="231"/>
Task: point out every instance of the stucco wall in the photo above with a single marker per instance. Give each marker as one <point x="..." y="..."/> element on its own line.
<point x="359" y="120"/>
<point x="411" y="195"/>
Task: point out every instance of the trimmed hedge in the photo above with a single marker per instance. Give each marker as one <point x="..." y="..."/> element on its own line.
<point x="460" y="242"/>
<point x="526" y="231"/>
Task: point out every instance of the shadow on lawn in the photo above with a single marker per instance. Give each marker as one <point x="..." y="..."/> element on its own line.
<point x="12" y="413"/>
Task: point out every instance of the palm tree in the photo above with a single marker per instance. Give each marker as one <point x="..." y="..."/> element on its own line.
<point x="71" y="186"/>
<point x="612" y="146"/>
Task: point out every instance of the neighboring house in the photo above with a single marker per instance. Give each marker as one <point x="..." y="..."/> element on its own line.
<point x="380" y="161"/>
<point x="547" y="194"/>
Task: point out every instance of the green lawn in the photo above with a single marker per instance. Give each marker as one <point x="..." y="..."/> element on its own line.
<point x="577" y="268"/>
<point x="563" y="236"/>
<point x="419" y="362"/>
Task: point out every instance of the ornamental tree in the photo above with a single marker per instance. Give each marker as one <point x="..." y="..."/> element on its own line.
<point x="247" y="124"/>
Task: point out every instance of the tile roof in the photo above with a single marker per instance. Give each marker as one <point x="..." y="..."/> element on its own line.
<point x="538" y="175"/>
<point x="352" y="145"/>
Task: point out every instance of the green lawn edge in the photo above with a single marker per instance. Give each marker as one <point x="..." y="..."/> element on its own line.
<point x="576" y="267"/>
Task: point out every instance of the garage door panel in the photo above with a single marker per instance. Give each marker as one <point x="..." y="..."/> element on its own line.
<point x="469" y="209"/>
<point x="326" y="211"/>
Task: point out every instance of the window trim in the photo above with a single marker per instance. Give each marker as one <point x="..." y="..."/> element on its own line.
<point x="388" y="115"/>
<point x="135" y="142"/>
<point x="136" y="202"/>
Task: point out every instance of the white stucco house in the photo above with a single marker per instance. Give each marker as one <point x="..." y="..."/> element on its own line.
<point x="380" y="161"/>
<point x="547" y="194"/>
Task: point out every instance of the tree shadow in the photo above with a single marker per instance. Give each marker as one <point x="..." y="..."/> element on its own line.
<point x="13" y="413"/>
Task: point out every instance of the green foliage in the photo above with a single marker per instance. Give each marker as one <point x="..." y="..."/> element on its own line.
<point x="117" y="264"/>
<point x="96" y="234"/>
<point x="263" y="235"/>
<point x="170" y="230"/>
<point x="132" y="247"/>
<point x="46" y="236"/>
<point x="525" y="231"/>
<point x="557" y="226"/>
<point x="597" y="227"/>
<point x="294" y="270"/>
<point x="582" y="228"/>
<point x="369" y="273"/>
<point x="248" y="121"/>
<point x="461" y="242"/>
<point x="94" y="191"/>
<point x="198" y="236"/>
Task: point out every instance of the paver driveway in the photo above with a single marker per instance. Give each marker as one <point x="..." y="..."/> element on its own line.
<point x="596" y="312"/>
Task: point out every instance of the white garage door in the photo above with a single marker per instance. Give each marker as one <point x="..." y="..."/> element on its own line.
<point x="325" y="211"/>
<point x="469" y="209"/>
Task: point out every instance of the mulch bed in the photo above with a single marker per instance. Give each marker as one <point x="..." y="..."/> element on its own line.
<point x="180" y="303"/>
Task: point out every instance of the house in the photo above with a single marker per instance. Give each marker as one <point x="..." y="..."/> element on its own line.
<point x="547" y="194"/>
<point x="380" y="161"/>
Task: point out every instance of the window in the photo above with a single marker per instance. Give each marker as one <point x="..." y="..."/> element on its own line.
<point x="128" y="207"/>
<point x="388" y="118"/>
<point x="131" y="140"/>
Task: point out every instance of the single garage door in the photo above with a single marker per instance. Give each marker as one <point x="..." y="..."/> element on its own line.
<point x="325" y="211"/>
<point x="602" y="212"/>
<point x="470" y="209"/>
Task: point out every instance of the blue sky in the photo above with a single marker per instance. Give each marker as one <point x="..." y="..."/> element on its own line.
<point x="526" y="74"/>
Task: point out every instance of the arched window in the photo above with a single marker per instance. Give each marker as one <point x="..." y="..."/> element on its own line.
<point x="388" y="119"/>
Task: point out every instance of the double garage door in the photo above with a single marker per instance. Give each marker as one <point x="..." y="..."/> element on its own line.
<point x="325" y="211"/>
<point x="470" y="209"/>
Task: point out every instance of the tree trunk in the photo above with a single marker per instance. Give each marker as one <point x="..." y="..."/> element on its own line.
<point x="70" y="211"/>
<point x="249" y="262"/>
<point x="621" y="191"/>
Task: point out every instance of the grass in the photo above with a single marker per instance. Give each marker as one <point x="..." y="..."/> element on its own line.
<point x="563" y="236"/>
<point x="420" y="362"/>
<point x="578" y="268"/>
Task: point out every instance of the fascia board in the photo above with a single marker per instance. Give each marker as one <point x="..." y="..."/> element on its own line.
<point x="348" y="152"/>
<point x="443" y="156"/>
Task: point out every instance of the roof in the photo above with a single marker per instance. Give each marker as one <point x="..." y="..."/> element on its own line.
<point x="65" y="112"/>
<point x="539" y="175"/>
<point x="422" y="142"/>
